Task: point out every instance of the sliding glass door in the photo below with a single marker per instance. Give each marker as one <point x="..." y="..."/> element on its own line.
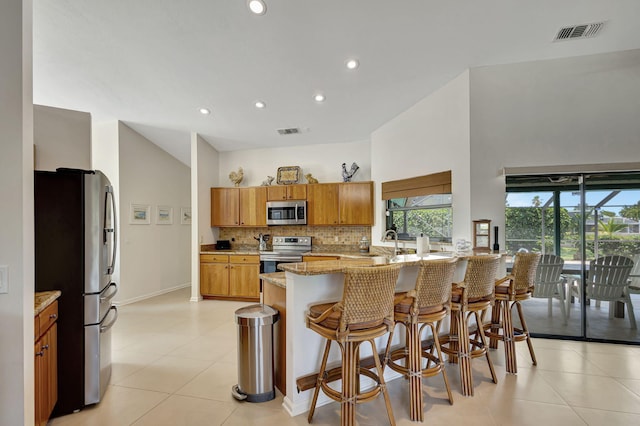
<point x="579" y="218"/>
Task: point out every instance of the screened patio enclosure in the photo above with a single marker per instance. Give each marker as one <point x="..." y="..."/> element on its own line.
<point x="581" y="218"/>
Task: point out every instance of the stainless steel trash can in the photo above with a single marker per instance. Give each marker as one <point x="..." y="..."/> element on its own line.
<point x="256" y="353"/>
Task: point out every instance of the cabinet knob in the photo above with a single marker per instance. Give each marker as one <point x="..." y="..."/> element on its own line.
<point x="41" y="353"/>
<point x="53" y="316"/>
<point x="45" y="347"/>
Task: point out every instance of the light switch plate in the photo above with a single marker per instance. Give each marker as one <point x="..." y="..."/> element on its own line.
<point x="4" y="279"/>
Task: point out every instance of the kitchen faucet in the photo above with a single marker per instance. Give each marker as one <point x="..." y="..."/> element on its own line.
<point x="396" y="251"/>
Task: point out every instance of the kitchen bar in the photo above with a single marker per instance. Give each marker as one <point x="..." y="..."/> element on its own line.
<point x="310" y="283"/>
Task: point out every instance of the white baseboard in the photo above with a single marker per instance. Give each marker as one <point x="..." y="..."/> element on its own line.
<point x="150" y="295"/>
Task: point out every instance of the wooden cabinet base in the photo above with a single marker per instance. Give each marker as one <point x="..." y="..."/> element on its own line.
<point x="234" y="298"/>
<point x="276" y="297"/>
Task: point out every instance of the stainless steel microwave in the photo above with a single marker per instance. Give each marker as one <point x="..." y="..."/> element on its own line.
<point x="290" y="212"/>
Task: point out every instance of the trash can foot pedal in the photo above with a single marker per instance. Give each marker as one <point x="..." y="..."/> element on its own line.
<point x="235" y="392"/>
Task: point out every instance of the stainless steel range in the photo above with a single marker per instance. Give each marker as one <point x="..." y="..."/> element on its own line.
<point x="284" y="250"/>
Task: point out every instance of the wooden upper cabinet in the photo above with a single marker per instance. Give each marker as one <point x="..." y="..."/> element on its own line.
<point x="253" y="206"/>
<point x="287" y="192"/>
<point x="322" y="204"/>
<point x="239" y="206"/>
<point x="349" y="203"/>
<point x="356" y="203"/>
<point x="225" y="206"/>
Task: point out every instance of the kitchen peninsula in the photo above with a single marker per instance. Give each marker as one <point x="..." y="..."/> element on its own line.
<point x="309" y="283"/>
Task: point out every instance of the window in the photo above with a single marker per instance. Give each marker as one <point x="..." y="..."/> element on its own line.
<point x="430" y="215"/>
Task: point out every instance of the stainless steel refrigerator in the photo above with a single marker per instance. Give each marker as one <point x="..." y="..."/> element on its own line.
<point x="75" y="251"/>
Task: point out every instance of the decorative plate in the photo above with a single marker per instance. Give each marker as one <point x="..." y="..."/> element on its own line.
<point x="288" y="175"/>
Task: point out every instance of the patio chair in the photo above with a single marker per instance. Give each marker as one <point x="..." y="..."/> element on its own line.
<point x="634" y="276"/>
<point x="549" y="282"/>
<point x="608" y="281"/>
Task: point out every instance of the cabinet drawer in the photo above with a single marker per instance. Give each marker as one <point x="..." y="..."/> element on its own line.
<point x="214" y="258"/>
<point x="244" y="259"/>
<point x="48" y="317"/>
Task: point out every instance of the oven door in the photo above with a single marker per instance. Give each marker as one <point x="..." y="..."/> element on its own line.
<point x="270" y="264"/>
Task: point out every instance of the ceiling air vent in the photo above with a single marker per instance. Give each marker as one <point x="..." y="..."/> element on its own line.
<point x="578" y="31"/>
<point x="289" y="131"/>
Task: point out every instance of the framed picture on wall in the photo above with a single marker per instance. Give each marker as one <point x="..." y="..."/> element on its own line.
<point x="164" y="215"/>
<point x="139" y="214"/>
<point x="185" y="215"/>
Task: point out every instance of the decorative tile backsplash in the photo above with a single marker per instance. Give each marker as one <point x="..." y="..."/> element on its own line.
<point x="347" y="237"/>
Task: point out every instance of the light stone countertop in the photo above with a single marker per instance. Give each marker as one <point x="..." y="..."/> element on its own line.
<point x="275" y="278"/>
<point x="334" y="266"/>
<point x="43" y="299"/>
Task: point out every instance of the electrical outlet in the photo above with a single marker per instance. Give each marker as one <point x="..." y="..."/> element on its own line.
<point x="4" y="279"/>
<point x="335" y="239"/>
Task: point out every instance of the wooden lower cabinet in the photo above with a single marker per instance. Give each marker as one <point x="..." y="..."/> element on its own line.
<point x="276" y="297"/>
<point x="233" y="277"/>
<point x="214" y="275"/>
<point x="319" y="258"/>
<point x="46" y="364"/>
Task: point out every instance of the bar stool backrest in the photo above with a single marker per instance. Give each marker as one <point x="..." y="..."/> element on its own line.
<point x="368" y="295"/>
<point x="524" y="271"/>
<point x="433" y="286"/>
<point x="480" y="276"/>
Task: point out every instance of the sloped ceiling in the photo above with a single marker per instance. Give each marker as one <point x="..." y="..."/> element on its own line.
<point x="153" y="63"/>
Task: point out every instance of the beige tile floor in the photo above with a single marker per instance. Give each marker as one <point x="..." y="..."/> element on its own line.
<point x="174" y="363"/>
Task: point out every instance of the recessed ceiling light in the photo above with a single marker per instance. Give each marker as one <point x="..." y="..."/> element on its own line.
<point x="319" y="97"/>
<point x="352" y="64"/>
<point x="257" y="6"/>
<point x="204" y="111"/>
<point x="260" y="104"/>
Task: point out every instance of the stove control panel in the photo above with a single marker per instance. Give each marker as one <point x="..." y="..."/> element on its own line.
<point x="292" y="241"/>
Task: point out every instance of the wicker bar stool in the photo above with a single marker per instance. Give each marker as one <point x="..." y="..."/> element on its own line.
<point x="470" y="298"/>
<point x="510" y="291"/>
<point x="427" y="304"/>
<point x="365" y="313"/>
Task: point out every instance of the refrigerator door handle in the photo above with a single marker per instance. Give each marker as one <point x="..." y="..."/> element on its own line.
<point x="106" y="297"/>
<point x="106" y="327"/>
<point x="114" y="230"/>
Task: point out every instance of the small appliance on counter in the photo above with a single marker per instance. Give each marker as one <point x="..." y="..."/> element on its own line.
<point x="262" y="239"/>
<point x="363" y="245"/>
<point x="223" y="245"/>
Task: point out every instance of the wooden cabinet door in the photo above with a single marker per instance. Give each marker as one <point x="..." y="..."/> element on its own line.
<point x="50" y="370"/>
<point x="356" y="203"/>
<point x="297" y="192"/>
<point x="322" y="204"/>
<point x="214" y="279"/>
<point x="225" y="204"/>
<point x="287" y="192"/>
<point x="46" y="375"/>
<point x="244" y="279"/>
<point x="276" y="193"/>
<point x="253" y="206"/>
<point x="38" y="389"/>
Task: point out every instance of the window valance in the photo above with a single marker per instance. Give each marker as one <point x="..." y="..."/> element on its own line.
<point x="436" y="183"/>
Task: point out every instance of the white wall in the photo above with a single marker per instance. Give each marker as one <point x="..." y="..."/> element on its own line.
<point x="322" y="161"/>
<point x="582" y="110"/>
<point x="104" y="157"/>
<point x="16" y="213"/>
<point x="154" y="258"/>
<point x="430" y="137"/>
<point x="208" y="171"/>
<point x="62" y="138"/>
